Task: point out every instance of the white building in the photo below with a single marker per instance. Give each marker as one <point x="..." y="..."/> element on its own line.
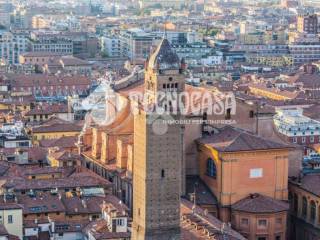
<point x="304" y="52"/>
<point x="212" y="60"/>
<point x="11" y="46"/>
<point x="135" y="43"/>
<point x="297" y="128"/>
<point x="11" y="217"/>
<point x="110" y="45"/>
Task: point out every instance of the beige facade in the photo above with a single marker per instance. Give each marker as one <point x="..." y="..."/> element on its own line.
<point x="304" y="209"/>
<point x="12" y="219"/>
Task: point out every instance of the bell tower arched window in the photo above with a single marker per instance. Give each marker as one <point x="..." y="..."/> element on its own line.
<point x="211" y="168"/>
<point x="304" y="207"/>
<point x="312" y="211"/>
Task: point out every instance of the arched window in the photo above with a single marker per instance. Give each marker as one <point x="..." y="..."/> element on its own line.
<point x="312" y="211"/>
<point x="211" y="168"/>
<point x="295" y="203"/>
<point x="304" y="207"/>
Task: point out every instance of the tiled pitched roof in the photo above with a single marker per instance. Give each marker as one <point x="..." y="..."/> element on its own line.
<point x="64" y="155"/>
<point x="42" y="203"/>
<point x="60" y="183"/>
<point x="99" y="229"/>
<point x="3" y="230"/>
<point x="76" y="205"/>
<point x="310" y="183"/>
<point x="63" y="142"/>
<point x="256" y="203"/>
<point x="58" y="127"/>
<point x="198" y="216"/>
<point x="48" y="109"/>
<point x="164" y="57"/>
<point x="5" y="205"/>
<point x="41" y="80"/>
<point x="230" y="139"/>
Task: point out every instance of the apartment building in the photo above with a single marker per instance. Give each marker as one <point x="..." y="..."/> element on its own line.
<point x="135" y="43"/>
<point x="11" y="216"/>
<point x="297" y="128"/>
<point x="307" y="23"/>
<point x="11" y="46"/>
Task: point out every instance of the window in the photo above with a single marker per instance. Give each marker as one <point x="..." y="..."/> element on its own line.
<point x="256" y="173"/>
<point x="228" y="114"/>
<point x="211" y="168"/>
<point x="244" y="221"/>
<point x="311" y="139"/>
<point x="294" y="140"/>
<point x="295" y="203"/>
<point x="279" y="221"/>
<point x="251" y="114"/>
<point x="312" y="211"/>
<point x="162" y="173"/>
<point x="278" y="237"/>
<point x="262" y="223"/>
<point x="304" y="207"/>
<point x="120" y="222"/>
<point x="262" y="238"/>
<point x="303" y="139"/>
<point x="10" y="219"/>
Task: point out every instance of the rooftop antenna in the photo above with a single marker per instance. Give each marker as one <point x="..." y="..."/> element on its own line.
<point x="165" y="29"/>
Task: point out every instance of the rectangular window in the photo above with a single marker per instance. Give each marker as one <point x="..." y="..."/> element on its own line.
<point x="120" y="222"/>
<point x="10" y="219"/>
<point x="312" y="139"/>
<point x="262" y="238"/>
<point x="262" y="223"/>
<point x="303" y="139"/>
<point x="256" y="173"/>
<point x="279" y="221"/>
<point x="245" y="221"/>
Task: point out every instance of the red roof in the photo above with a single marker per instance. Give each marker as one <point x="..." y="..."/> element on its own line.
<point x="257" y="203"/>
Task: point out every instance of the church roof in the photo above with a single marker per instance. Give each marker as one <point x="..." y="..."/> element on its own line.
<point x="231" y="139"/>
<point x="164" y="57"/>
<point x="257" y="203"/>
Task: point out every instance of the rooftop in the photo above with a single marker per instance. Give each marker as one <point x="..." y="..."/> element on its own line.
<point x="231" y="139"/>
<point x="164" y="57"/>
<point x="256" y="203"/>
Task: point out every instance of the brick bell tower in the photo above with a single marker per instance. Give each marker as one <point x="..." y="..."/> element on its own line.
<point x="158" y="168"/>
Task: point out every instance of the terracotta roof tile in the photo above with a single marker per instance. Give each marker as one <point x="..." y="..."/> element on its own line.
<point x="256" y="203"/>
<point x="63" y="142"/>
<point x="58" y="127"/>
<point x="310" y="183"/>
<point x="231" y="139"/>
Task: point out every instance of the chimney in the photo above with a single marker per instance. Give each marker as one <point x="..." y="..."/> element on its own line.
<point x="183" y="65"/>
<point x="84" y="204"/>
<point x="309" y="68"/>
